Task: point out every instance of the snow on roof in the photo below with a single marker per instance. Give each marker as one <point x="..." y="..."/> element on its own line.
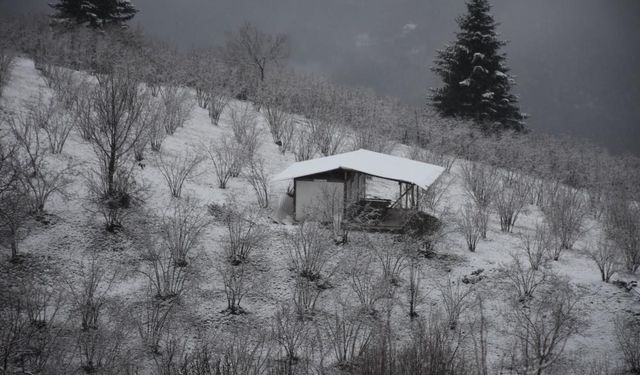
<point x="368" y="162"/>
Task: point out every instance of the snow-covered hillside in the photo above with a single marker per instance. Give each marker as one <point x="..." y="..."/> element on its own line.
<point x="74" y="233"/>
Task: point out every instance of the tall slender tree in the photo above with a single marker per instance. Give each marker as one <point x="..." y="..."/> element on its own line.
<point x="477" y="84"/>
<point x="94" y="13"/>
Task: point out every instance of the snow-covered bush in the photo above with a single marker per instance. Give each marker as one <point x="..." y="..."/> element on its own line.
<point x="305" y="297"/>
<point x="176" y="170"/>
<point x="238" y="283"/>
<point x="289" y="332"/>
<point x="152" y="321"/>
<point x="303" y="145"/>
<point x="216" y="103"/>
<point x="348" y="335"/>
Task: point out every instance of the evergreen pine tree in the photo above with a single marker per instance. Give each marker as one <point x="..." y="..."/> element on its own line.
<point x="94" y="13"/>
<point x="477" y="85"/>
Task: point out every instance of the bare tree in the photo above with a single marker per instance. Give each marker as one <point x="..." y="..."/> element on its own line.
<point x="470" y="224"/>
<point x="182" y="228"/>
<point x="627" y="332"/>
<point x="542" y="329"/>
<point x="309" y="250"/>
<point x="250" y="47"/>
<point x="176" y="170"/>
<point x="606" y="256"/>
<point x="512" y="195"/>
<point x="114" y="122"/>
<point x="456" y="300"/>
<point x="259" y="180"/>
<point x="565" y="212"/>
<point x="622" y="224"/>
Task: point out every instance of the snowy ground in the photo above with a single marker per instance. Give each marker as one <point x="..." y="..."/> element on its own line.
<point x="74" y="232"/>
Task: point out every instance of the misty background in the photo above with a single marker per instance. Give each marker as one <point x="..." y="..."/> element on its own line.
<point x="576" y="62"/>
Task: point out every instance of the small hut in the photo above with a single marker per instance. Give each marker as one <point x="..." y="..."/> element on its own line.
<point x="337" y="186"/>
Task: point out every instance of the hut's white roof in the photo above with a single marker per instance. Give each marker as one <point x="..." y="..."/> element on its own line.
<point x="368" y="162"/>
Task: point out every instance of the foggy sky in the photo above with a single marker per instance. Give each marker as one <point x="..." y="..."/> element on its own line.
<point x="576" y="62"/>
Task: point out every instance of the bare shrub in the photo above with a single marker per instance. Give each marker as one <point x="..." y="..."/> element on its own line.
<point x="309" y="250"/>
<point x="6" y="65"/>
<point x="245" y="353"/>
<point x="512" y="196"/>
<point x="431" y="198"/>
<point x="91" y="296"/>
<point x="480" y="183"/>
<point x="259" y="180"/>
<point x="328" y="135"/>
<point x="227" y="159"/>
<point x="103" y="349"/>
<point x="627" y="330"/>
<point x="289" y="332"/>
<point x="243" y="121"/>
<point x="368" y="287"/>
<point x="49" y="116"/>
<point x="114" y="205"/>
<point x="623" y="228"/>
<point x="536" y="245"/>
<point x="470" y="224"/>
<point x="305" y="296"/>
<point x="606" y="256"/>
<point x="541" y="329"/>
<point x="182" y="228"/>
<point x="217" y="102"/>
<point x="238" y="283"/>
<point x="280" y="122"/>
<point x="303" y="146"/>
<point x="456" y="300"/>
<point x="152" y="321"/>
<point x="565" y="212"/>
<point x="392" y="257"/>
<point x="167" y="276"/>
<point x="433" y="156"/>
<point x="348" y="334"/>
<point x="176" y="170"/>
<point x="177" y="107"/>
<point x="525" y="280"/>
<point x="14" y="213"/>
<point x="244" y="234"/>
<point x="414" y="286"/>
